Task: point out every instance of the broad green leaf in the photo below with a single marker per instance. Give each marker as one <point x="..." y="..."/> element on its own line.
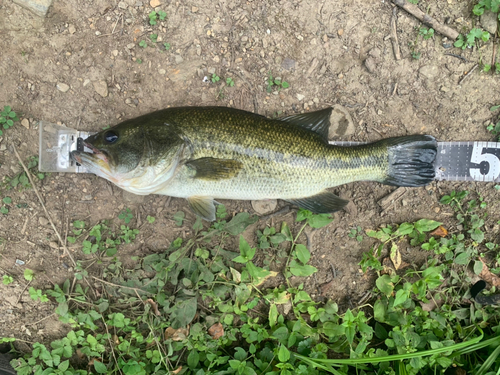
<point x="273" y="315"/>
<point x="239" y="223"/>
<point x="100" y="367"/>
<point x="426" y="225"/>
<point x="303" y="253"/>
<point x="404" y="229"/>
<point x="401" y="296"/>
<point x="478" y="267"/>
<point x="305" y="270"/>
<point x="385" y="285"/>
<point x="319" y="220"/>
<point x="283" y="354"/>
<point x="462" y="258"/>
<point x="193" y="359"/>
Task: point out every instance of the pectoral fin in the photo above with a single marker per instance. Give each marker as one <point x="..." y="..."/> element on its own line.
<point x="203" y="207"/>
<point x="215" y="169"/>
<point x="322" y="203"/>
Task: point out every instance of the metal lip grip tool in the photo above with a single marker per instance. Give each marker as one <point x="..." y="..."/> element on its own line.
<point x="56" y="143"/>
<point x="455" y="161"/>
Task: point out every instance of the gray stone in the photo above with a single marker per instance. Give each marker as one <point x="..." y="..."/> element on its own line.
<point x="101" y="87"/>
<point x="62" y="87"/>
<point x="39" y="7"/>
<point x="429" y="71"/>
<point x="341" y="123"/>
<point x="489" y="21"/>
<point x="43" y="221"/>
<point x="264" y="206"/>
<point x="178" y="59"/>
<point x="371" y="64"/>
<point x="132" y="198"/>
<point x="288" y="64"/>
<point x="300" y="97"/>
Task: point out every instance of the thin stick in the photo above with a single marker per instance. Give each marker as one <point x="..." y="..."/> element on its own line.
<point x="41" y="320"/>
<point x="24" y="290"/>
<point x="425" y="18"/>
<point x="43" y="206"/>
<point x="394" y="34"/>
<point x="494" y="56"/>
<point x="120" y="286"/>
<point x="468" y="74"/>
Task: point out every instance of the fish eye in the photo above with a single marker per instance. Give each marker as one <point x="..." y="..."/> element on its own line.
<point x="110" y="137"/>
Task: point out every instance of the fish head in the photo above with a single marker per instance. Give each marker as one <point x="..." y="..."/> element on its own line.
<point x="133" y="156"/>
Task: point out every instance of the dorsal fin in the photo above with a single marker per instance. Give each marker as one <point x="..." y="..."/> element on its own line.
<point x="318" y="121"/>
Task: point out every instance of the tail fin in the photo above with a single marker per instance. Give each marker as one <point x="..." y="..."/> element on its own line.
<point x="411" y="160"/>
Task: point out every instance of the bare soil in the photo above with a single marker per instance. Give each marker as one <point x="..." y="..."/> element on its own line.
<point x="319" y="47"/>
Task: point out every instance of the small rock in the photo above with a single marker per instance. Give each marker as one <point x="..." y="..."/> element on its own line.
<point x="101" y="87"/>
<point x="444" y="89"/>
<point x="178" y="59"/>
<point x="375" y="52"/>
<point x="429" y="71"/>
<point x="26" y="123"/>
<point x="39" y="7"/>
<point x="316" y="100"/>
<point x="162" y="72"/>
<point x="43" y="221"/>
<point x="300" y="97"/>
<point x="265" y="206"/>
<point x="122" y="5"/>
<point x="86" y="82"/>
<point x="54" y="245"/>
<point x="71" y="29"/>
<point x="489" y="21"/>
<point x="194" y="9"/>
<point x="288" y="64"/>
<point x="132" y="198"/>
<point x="155" y="3"/>
<point x="371" y="64"/>
<point x="340" y="32"/>
<point x="62" y="87"/>
<point x="437" y="209"/>
<point x="114" y="52"/>
<point x="341" y="123"/>
<point x="87" y="197"/>
<point x="130" y="45"/>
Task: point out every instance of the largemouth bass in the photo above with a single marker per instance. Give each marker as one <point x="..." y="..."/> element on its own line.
<point x="205" y="153"/>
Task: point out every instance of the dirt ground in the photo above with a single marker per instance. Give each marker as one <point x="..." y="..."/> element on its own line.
<point x="82" y="66"/>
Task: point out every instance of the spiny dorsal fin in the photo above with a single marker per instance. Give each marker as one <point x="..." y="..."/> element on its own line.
<point x="318" y="121"/>
<point x="215" y="169"/>
<point x="322" y="203"/>
<point x="203" y="207"/>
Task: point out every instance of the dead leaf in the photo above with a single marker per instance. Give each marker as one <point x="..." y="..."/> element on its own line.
<point x="176" y="371"/>
<point x="216" y="331"/>
<point x="176" y="334"/>
<point x="154" y="306"/>
<point x="395" y="256"/>
<point x="388" y="266"/>
<point x="440" y="231"/>
<point x="487" y="276"/>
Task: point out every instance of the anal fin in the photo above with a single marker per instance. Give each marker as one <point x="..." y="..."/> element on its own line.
<point x="322" y="203"/>
<point x="203" y="207"/>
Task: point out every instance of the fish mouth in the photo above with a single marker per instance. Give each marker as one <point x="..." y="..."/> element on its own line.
<point x="95" y="160"/>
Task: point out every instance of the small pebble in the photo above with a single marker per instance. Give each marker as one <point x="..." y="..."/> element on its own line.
<point x="26" y="123"/>
<point x="122" y="5"/>
<point x="101" y="87"/>
<point x="194" y="9"/>
<point x="20" y="262"/>
<point x="71" y="29"/>
<point x="300" y="97"/>
<point x="62" y="87"/>
<point x="155" y="3"/>
<point x="43" y="221"/>
<point x="340" y="32"/>
<point x="162" y="71"/>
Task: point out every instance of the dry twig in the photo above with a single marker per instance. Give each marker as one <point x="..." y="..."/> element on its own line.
<point x="394" y="34"/>
<point x="425" y="18"/>
<point x="467" y="74"/>
<point x="43" y="206"/>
